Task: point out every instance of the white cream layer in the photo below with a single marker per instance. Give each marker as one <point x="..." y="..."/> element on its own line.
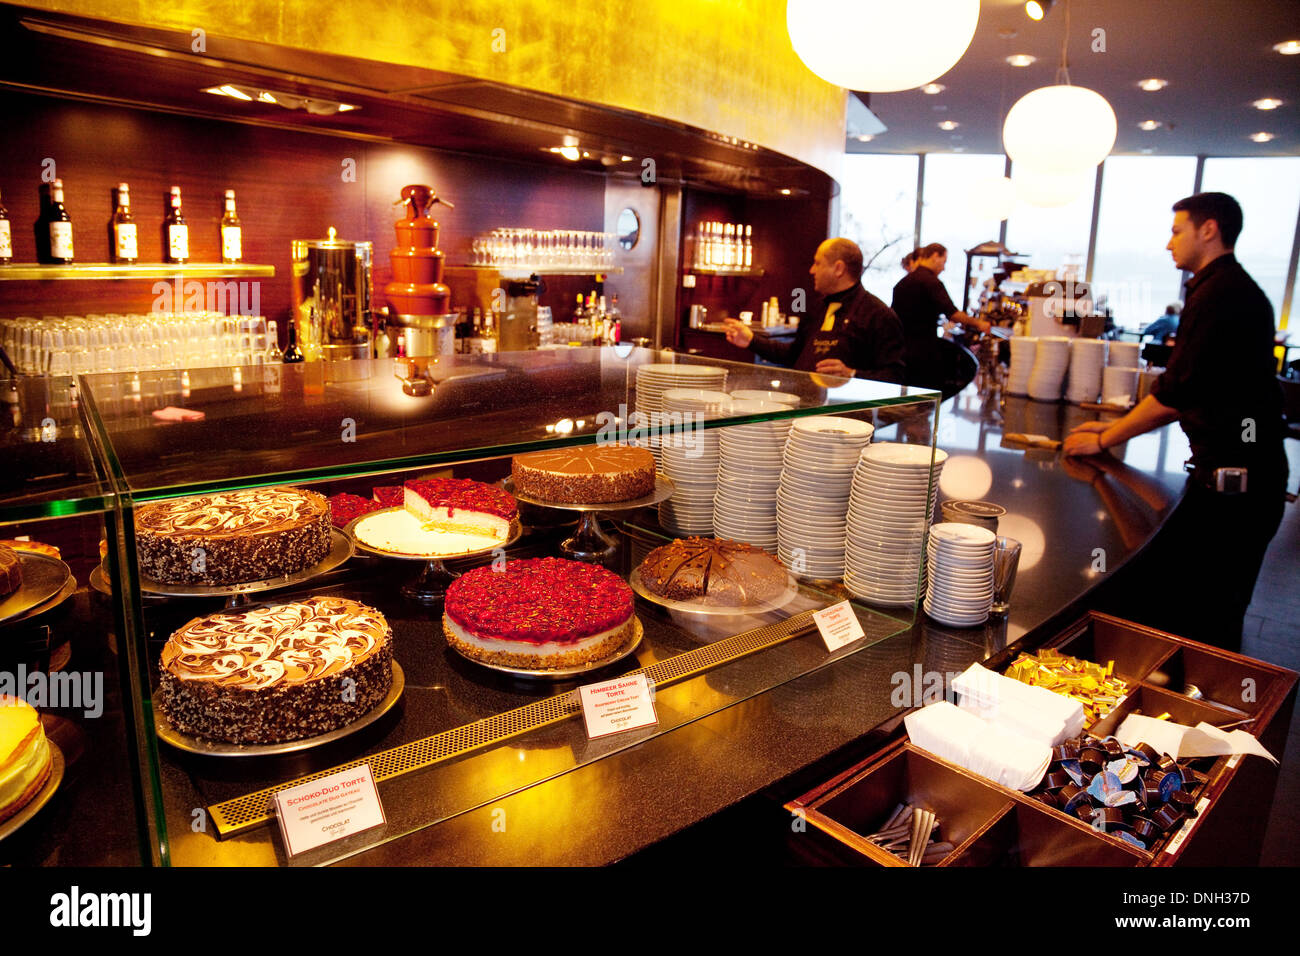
<point x="27" y="767"/>
<point x="403" y="532"/>
<point x="523" y="647"/>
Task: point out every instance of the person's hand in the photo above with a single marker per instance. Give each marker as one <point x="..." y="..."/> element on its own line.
<point x="834" y="367"/>
<point x="1080" y="442"/>
<point x="1097" y="427"/>
<point x="738" y="333"/>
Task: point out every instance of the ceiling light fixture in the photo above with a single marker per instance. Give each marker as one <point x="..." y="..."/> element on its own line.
<point x="1153" y="84"/>
<point x="882" y="46"/>
<point x="949" y="124"/>
<point x="933" y="89"/>
<point x="1261" y="137"/>
<point x="1037" y="9"/>
<point x="1268" y="103"/>
<point x="785" y="192"/>
<point x="1149" y="125"/>
<point x="1289" y="48"/>
<point x="290" y="101"/>
<point x="1022" y="59"/>
<point x="569" y="152"/>
<point x="864" y="137"/>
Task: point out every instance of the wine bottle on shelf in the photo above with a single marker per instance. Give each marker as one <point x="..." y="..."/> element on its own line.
<point x="58" y="227"/>
<point x="176" y="234"/>
<point x="748" y="254"/>
<point x="122" y="232"/>
<point x="293" y="354"/>
<point x="6" y="236"/>
<point x="232" y="234"/>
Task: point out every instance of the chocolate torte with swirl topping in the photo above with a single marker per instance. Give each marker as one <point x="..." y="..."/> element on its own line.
<point x="233" y="536"/>
<point x="713" y="570"/>
<point x="276" y="673"/>
<point x="11" y="571"/>
<point x="539" y="613"/>
<point x="589" y="474"/>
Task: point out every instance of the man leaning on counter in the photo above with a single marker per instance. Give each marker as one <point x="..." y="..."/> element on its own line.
<point x="852" y="334"/>
<point x="1221" y="387"/>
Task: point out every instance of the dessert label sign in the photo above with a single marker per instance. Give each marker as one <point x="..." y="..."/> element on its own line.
<point x="622" y="704"/>
<point x="321" y="811"/>
<point x="838" y="625"/>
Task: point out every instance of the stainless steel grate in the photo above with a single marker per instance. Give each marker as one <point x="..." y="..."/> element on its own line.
<point x="239" y="814"/>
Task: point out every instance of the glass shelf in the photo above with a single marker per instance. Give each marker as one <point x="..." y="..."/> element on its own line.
<point x="139" y="270"/>
<point x="753" y="273"/>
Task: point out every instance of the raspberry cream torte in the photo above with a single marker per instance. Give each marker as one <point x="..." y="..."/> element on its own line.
<point x="588" y="474"/>
<point x="233" y="536"/>
<point x="539" y="614"/>
<point x="276" y="673"/>
<point x="461" y="505"/>
<point x="25" y="758"/>
<point x="714" y="571"/>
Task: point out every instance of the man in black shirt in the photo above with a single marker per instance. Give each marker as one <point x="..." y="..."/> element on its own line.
<point x="1221" y="387"/>
<point x="854" y="335"/>
<point x="919" y="301"/>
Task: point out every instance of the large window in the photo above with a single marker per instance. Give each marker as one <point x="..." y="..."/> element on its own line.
<point x="952" y="182"/>
<point x="878" y="212"/>
<point x="1268" y="189"/>
<point x="1052" y="237"/>
<point x="1132" y="267"/>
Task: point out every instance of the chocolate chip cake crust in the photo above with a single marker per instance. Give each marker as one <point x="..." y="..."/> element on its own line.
<point x="590" y="474"/>
<point x="232" y="537"/>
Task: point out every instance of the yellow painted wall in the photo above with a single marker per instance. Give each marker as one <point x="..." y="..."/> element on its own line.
<point x="721" y="65"/>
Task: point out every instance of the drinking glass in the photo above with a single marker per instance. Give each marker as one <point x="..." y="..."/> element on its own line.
<point x="1006" y="559"/>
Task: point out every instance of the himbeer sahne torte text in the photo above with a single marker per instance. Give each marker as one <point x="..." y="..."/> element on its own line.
<point x="714" y="571"/>
<point x="232" y="536"/>
<point x="25" y="758"/>
<point x="276" y="673"/>
<point x="539" y="613"/>
<point x="588" y="474"/>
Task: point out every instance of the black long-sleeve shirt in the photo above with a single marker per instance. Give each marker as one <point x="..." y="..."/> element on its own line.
<point x="1221" y="377"/>
<point x="865" y="335"/>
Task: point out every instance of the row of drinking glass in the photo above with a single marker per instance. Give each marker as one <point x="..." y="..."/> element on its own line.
<point x="83" y="345"/>
<point x="544" y="249"/>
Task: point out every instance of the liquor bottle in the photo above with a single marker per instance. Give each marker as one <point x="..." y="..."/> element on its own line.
<point x="122" y="228"/>
<point x="59" y="227"/>
<point x="748" y="257"/>
<point x="176" y="234"/>
<point x="293" y="354"/>
<point x="6" y="237"/>
<point x="579" y="313"/>
<point x="232" y="235"/>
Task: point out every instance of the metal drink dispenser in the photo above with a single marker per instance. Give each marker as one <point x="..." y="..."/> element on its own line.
<point x="331" y="297"/>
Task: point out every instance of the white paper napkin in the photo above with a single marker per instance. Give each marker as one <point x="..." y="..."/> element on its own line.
<point x="1179" y="740"/>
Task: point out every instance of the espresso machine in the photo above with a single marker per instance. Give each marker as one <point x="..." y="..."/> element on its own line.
<point x="518" y="314"/>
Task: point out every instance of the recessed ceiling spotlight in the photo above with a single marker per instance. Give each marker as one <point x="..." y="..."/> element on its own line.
<point x="1022" y="59"/>
<point x="1267" y="103"/>
<point x="1152" y="84"/>
<point x="933" y="89"/>
<point x="571" y="153"/>
<point x="1261" y="137"/>
<point x="864" y="137"/>
<point x="949" y="124"/>
<point x="1149" y="125"/>
<point x="1037" y="9"/>
<point x="786" y="192"/>
<point x="1289" y="48"/>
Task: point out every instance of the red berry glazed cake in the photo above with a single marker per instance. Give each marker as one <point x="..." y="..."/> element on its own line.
<point x="539" y="613"/>
<point x="461" y="505"/>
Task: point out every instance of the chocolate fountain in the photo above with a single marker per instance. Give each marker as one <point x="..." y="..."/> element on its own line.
<point x="419" y="304"/>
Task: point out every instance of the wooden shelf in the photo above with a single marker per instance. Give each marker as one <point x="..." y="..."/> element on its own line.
<point x="139" y="270"/>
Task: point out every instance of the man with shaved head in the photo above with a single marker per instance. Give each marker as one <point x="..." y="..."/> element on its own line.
<point x="851" y="333"/>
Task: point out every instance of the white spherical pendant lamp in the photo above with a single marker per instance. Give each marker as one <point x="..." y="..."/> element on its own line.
<point x="1050" y="189"/>
<point x="1059" y="128"/>
<point x="881" y="46"/>
<point x="991" y="198"/>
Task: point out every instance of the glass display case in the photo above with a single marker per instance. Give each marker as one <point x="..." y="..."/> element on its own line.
<point x="453" y="734"/>
<point x="89" y="796"/>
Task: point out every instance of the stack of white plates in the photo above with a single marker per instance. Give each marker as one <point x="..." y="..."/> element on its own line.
<point x="1087" y="359"/>
<point x="1118" y="384"/>
<point x="960" y="561"/>
<point x="1051" y="359"/>
<point x="1125" y="354"/>
<point x="892" y="498"/>
<point x="690" y="458"/>
<point x="1023" y="348"/>
<point x="813" y="496"/>
<point x="749" y="471"/>
<point x="653" y="380"/>
<point x="760" y="395"/>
